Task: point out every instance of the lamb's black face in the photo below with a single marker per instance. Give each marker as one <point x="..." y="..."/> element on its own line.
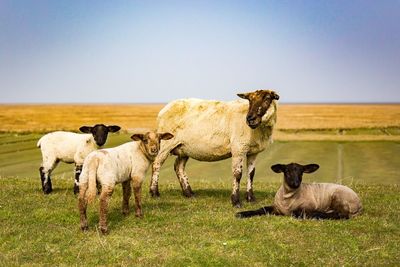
<point x="100" y="132"/>
<point x="293" y="172"/>
<point x="259" y="102"/>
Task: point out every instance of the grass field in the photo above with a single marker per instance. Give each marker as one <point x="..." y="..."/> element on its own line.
<point x="175" y="231"/>
<point x="44" y="230"/>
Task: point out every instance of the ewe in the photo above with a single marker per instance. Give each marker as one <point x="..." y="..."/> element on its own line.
<point x="214" y="130"/>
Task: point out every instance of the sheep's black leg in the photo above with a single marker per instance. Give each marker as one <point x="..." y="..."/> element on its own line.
<point x="250" y="213"/>
<point x="301" y="214"/>
<point x="46" y="181"/>
<point x="78" y="170"/>
<point x="324" y="215"/>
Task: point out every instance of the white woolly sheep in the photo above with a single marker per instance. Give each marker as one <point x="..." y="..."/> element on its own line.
<point x="124" y="164"/>
<point x="215" y="130"/>
<point x="70" y="147"/>
<point x="317" y="200"/>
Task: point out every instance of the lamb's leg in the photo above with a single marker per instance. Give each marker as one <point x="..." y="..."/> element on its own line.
<point x="45" y="171"/>
<point x="250" y="213"/>
<point x="137" y="190"/>
<point x="251" y="170"/>
<point x="105" y="195"/>
<point x="158" y="162"/>
<point x="237" y="168"/>
<point x="179" y="167"/>
<point x="324" y="215"/>
<point x="127" y="191"/>
<point x="78" y="170"/>
<point x="82" y="203"/>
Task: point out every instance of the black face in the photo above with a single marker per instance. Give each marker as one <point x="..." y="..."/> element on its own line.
<point x="293" y="172"/>
<point x="259" y="102"/>
<point x="100" y="132"/>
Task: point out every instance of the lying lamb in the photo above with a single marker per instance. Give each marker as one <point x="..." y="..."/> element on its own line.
<point x="124" y="164"/>
<point x="70" y="147"/>
<point x="317" y="200"/>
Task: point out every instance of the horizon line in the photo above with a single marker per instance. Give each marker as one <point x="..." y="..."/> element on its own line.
<point x="164" y="103"/>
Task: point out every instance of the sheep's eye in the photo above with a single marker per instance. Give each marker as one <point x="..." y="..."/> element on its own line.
<point x="145" y="141"/>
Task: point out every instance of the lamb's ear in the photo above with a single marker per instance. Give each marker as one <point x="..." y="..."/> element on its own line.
<point x="278" y="168"/>
<point x="274" y="95"/>
<point x="244" y="96"/>
<point x="86" y="129"/>
<point x="113" y="128"/>
<point x="310" y="168"/>
<point x="137" y="137"/>
<point x="166" y="136"/>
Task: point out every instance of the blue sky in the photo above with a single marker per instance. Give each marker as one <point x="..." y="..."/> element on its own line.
<point x="157" y="51"/>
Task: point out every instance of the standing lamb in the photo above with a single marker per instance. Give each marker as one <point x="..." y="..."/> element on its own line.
<point x="70" y="147"/>
<point x="214" y="130"/>
<point x="126" y="164"/>
<point x="317" y="200"/>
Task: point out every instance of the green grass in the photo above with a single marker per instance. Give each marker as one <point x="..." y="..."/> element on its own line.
<point x="175" y="231"/>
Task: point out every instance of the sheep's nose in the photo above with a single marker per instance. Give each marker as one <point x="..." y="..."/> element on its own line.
<point x="154" y="150"/>
<point x="251" y="118"/>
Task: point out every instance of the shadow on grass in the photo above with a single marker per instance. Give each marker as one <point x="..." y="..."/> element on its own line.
<point x="116" y="220"/>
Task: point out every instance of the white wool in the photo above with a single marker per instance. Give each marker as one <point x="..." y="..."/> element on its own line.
<point x="65" y="146"/>
<point x="115" y="165"/>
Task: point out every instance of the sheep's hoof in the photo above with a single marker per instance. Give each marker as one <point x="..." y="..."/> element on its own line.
<point x="239" y="215"/>
<point x="250" y="196"/>
<point x="125" y="212"/>
<point x="237" y="205"/>
<point x="236" y="201"/>
<point x="47" y="191"/>
<point x="154" y="193"/>
<point x="139" y="215"/>
<point x="104" y="230"/>
<point x="84" y="228"/>
<point x="188" y="193"/>
<point x="76" y="189"/>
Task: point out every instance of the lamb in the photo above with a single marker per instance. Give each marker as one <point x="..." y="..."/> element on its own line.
<point x="70" y="147"/>
<point x="214" y="130"/>
<point x="317" y="200"/>
<point x="126" y="164"/>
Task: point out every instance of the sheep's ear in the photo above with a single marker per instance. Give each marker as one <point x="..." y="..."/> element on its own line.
<point x="137" y="137"/>
<point x="113" y="128"/>
<point x="86" y="129"/>
<point x="310" y="168"/>
<point x="278" y="168"/>
<point x="166" y="136"/>
<point x="274" y="95"/>
<point x="244" y="96"/>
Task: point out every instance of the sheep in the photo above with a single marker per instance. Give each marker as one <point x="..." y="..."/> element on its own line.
<point x="214" y="130"/>
<point x="70" y="147"/>
<point x="316" y="200"/>
<point x="126" y="164"/>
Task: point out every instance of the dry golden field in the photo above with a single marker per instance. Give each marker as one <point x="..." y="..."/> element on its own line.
<point x="295" y="122"/>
